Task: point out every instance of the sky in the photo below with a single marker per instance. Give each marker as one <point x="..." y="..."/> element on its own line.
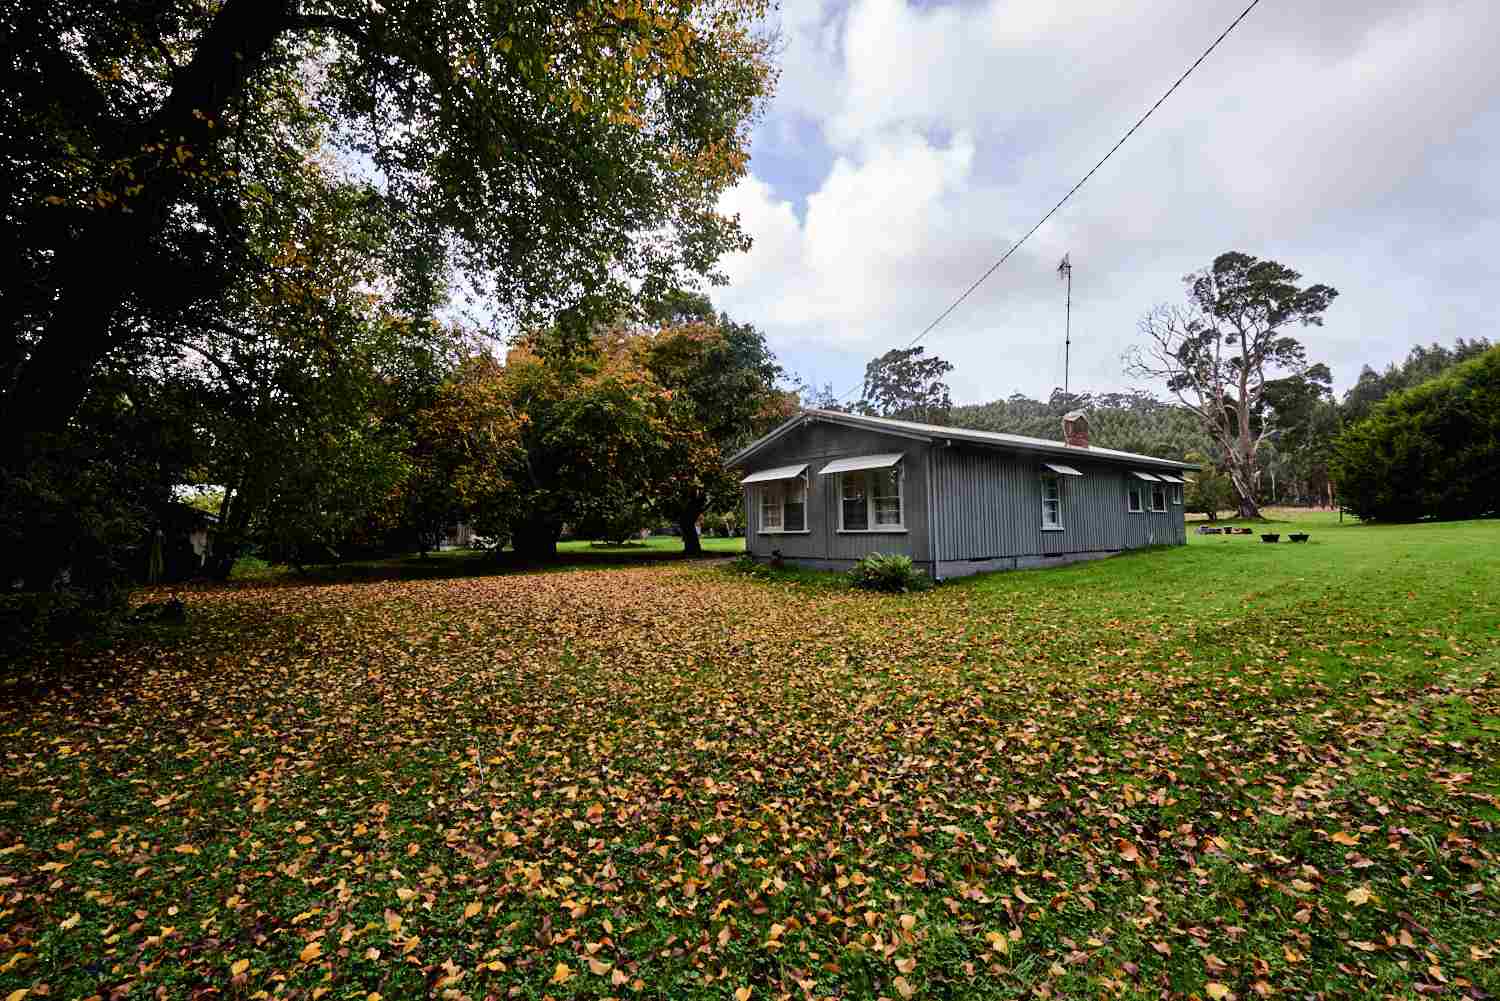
<point x="909" y="145"/>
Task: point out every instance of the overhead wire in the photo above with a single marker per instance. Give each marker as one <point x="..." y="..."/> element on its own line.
<point x="1074" y="189"/>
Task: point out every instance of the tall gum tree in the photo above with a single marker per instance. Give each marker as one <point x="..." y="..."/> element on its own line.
<point x="529" y="146"/>
<point x="1218" y="354"/>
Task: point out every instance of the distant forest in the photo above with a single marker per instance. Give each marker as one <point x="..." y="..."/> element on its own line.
<point x="1294" y="458"/>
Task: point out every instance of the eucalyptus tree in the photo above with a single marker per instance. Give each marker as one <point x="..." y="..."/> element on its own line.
<point x="1219" y="354"/>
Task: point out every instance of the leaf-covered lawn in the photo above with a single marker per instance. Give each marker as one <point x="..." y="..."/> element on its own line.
<point x="1218" y="771"/>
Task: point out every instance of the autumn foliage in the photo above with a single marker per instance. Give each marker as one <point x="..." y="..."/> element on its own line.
<point x="1175" y="774"/>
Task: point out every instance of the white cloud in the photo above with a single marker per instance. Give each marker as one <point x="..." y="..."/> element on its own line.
<point x="1348" y="141"/>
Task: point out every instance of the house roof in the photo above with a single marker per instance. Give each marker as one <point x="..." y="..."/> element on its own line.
<point x="941" y="433"/>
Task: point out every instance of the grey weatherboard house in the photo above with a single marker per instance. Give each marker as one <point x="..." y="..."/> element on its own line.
<point x="828" y="488"/>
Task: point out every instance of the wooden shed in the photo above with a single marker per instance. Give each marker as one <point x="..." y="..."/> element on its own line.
<point x="827" y="488"/>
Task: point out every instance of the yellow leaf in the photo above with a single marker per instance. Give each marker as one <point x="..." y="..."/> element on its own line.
<point x="599" y="967"/>
<point x="186" y="849"/>
<point x="70" y="921"/>
<point x="18" y="995"/>
<point x="618" y="978"/>
<point x="906" y="965"/>
<point x="311" y="952"/>
<point x="472" y="909"/>
<point x="908" y="921"/>
<point x="405" y="894"/>
<point x="1216" y="991"/>
<point x="1359" y="895"/>
<point x="902" y="987"/>
<point x="742" y="994"/>
<point x="1343" y="838"/>
<point x="392" y="920"/>
<point x="239" y="966"/>
<point x="562" y="974"/>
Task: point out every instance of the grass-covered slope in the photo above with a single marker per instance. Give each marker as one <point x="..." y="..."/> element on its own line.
<point x="1229" y="769"/>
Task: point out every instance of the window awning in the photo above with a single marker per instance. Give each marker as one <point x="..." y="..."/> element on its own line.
<point x="779" y="473"/>
<point x="849" y="465"/>
<point x="1167" y="479"/>
<point x="1058" y="467"/>
<point x="1144" y="476"/>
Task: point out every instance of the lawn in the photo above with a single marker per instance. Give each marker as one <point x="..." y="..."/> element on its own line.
<point x="1224" y="770"/>
<point x="481" y="562"/>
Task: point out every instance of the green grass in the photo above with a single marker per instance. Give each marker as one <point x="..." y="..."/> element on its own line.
<point x="479" y="562"/>
<point x="1229" y="768"/>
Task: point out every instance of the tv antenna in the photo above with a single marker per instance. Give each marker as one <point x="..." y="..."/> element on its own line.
<point x="1065" y="272"/>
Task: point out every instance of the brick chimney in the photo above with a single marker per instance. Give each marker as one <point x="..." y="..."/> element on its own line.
<point x="1076" y="429"/>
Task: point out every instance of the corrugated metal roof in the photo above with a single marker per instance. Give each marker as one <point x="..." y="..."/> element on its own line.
<point x="779" y="473"/>
<point x="883" y="461"/>
<point x="938" y="432"/>
<point x="1058" y="467"/>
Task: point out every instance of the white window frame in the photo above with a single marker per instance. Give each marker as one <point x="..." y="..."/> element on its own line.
<point x="1135" y="501"/>
<point x="868" y="475"/>
<point x="1177" y="495"/>
<point x="1154" y="488"/>
<point x="778" y="489"/>
<point x="1056" y="481"/>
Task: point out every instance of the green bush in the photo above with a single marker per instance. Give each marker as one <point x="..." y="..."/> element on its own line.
<point x="888" y="572"/>
<point x="1432" y="451"/>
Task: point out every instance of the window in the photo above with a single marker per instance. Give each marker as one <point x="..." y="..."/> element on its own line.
<point x="870" y="500"/>
<point x="855" y="515"/>
<point x="1158" y="497"/>
<point x="1177" y="495"/>
<point x="783" y="506"/>
<point x="885" y="493"/>
<point x="1051" y="503"/>
<point x="1135" y="499"/>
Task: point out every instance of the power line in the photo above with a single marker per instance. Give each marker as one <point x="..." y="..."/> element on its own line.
<point x="1074" y="189"/>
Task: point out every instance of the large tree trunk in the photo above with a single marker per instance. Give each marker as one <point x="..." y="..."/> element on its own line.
<point x="535" y="540"/>
<point x="687" y="523"/>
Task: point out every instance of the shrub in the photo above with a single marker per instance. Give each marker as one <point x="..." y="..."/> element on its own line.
<point x="888" y="572"/>
<point x="1432" y="451"/>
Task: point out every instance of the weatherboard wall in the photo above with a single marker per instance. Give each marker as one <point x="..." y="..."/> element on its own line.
<point x="823" y="545"/>
<point x="988" y="505"/>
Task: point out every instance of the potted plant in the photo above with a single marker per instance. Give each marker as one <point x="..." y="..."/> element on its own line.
<point x="1298" y="536"/>
<point x="1270" y="537"/>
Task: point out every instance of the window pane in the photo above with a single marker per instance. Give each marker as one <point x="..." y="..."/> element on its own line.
<point x="887" y="489"/>
<point x="1135" y="498"/>
<point x="770" y="508"/>
<point x="856" y="513"/>
<point x="795" y="517"/>
<point x="1051" y="513"/>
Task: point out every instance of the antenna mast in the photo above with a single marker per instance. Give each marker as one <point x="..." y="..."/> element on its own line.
<point x="1065" y="272"/>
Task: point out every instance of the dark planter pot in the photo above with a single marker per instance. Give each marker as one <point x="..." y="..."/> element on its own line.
<point x="1271" y="537"/>
<point x="1298" y="537"/>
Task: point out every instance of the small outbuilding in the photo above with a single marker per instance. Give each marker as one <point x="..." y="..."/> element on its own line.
<point x="827" y="488"/>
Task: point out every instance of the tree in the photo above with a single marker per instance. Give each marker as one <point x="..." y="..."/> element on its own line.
<point x="596" y="434"/>
<point x="462" y="444"/>
<point x="1218" y="353"/>
<point x="1131" y="422"/>
<point x="528" y="145"/>
<point x="1421" y="363"/>
<point x="904" y="384"/>
<point x="725" y="375"/>
<point x="1209" y="491"/>
<point x="1432" y="451"/>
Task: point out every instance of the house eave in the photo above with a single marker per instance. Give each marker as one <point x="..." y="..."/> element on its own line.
<point x="949" y="436"/>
